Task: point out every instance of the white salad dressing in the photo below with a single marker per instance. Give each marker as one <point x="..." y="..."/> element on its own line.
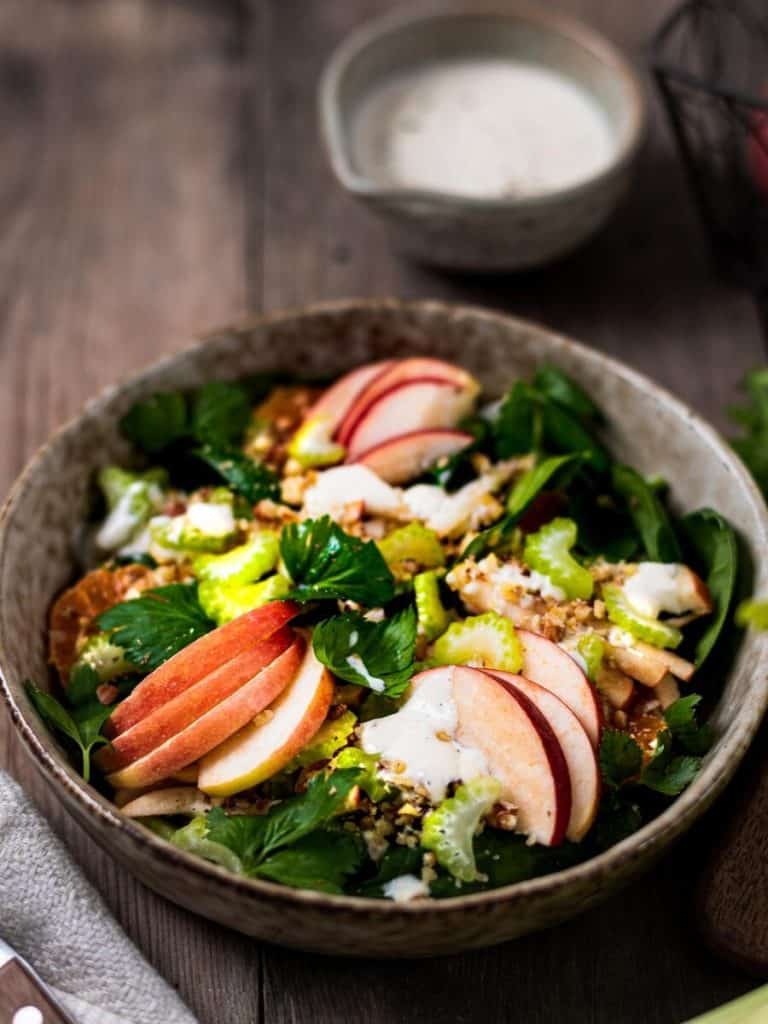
<point x="405" y="888"/>
<point x="661" y="587"/>
<point x="418" y="744"/>
<point x="356" y="662"/>
<point x="486" y="128"/>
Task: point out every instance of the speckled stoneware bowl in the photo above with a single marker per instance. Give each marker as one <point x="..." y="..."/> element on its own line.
<point x="648" y="427"/>
<point x="481" y="234"/>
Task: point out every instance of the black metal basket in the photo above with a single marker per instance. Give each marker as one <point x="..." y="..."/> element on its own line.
<point x="710" y="62"/>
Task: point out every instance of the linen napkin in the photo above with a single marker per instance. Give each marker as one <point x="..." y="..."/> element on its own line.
<point x="54" y="918"/>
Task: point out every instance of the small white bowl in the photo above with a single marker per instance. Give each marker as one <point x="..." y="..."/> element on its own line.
<point x="483" y="234"/>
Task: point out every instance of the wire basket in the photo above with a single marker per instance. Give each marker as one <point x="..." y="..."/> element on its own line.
<point x="710" y="62"/>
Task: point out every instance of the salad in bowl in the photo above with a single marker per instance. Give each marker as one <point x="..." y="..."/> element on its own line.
<point x="387" y="637"/>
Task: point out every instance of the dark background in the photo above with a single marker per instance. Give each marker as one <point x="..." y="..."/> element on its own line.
<point x="161" y="174"/>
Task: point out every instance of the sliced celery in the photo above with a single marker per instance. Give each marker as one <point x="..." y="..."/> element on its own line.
<point x="369" y="780"/>
<point x="548" y="551"/>
<point x="643" y="627"/>
<point x="313" y="445"/>
<point x="243" y="564"/>
<point x="330" y="737"/>
<point x="432" y="617"/>
<point x="223" y="602"/>
<point x="412" y="543"/>
<point x="489" y="640"/>
<point x="592" y="649"/>
<point x="449" y="829"/>
<point x="105" y="657"/>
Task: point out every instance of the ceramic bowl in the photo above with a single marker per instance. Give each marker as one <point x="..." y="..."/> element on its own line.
<point x="475" y="233"/>
<point x="648" y="427"/>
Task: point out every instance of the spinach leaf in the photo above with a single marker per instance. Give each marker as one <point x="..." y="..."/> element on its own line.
<point x="156" y="422"/>
<point x="648" y="513"/>
<point x="517" y="426"/>
<point x="83" y="726"/>
<point x="253" y="480"/>
<point x="220" y="413"/>
<point x="562" y="432"/>
<point x="604" y="528"/>
<point x="377" y="655"/>
<point x="322" y="861"/>
<point x="713" y="543"/>
<point x="325" y="562"/>
<point x="154" y="627"/>
<point x="556" y="385"/>
<point x="255" y="838"/>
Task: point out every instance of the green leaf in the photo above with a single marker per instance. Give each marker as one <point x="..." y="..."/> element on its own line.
<point x="618" y="817"/>
<point x="648" y="514"/>
<point x="682" y="723"/>
<point x="620" y="757"/>
<point x="753" y="417"/>
<point x="753" y="613"/>
<point x="253" y="480"/>
<point x="666" y="773"/>
<point x="154" y="627"/>
<point x="397" y="861"/>
<point x="156" y="422"/>
<point x="82" y="683"/>
<point x="369" y="779"/>
<point x="325" y="562"/>
<point x="562" y="432"/>
<point x="713" y="542"/>
<point x="322" y="861"/>
<point x="255" y="837"/>
<point x="83" y="727"/>
<point x="562" y="389"/>
<point x="535" y="480"/>
<point x="377" y="655"/>
<point x="516" y="428"/>
<point x="220" y="413"/>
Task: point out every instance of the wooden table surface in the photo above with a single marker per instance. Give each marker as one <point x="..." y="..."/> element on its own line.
<point x="161" y="174"/>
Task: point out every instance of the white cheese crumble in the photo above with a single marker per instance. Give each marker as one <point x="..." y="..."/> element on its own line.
<point x="662" y="587"/>
<point x="513" y="574"/>
<point x="343" y="485"/>
<point x="214" y="520"/>
<point x="405" y="888"/>
<point x="410" y="747"/>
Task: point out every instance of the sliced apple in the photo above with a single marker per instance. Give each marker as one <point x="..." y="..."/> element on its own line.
<point x="400" y="372"/>
<point x="215" y="726"/>
<point x="424" y="404"/>
<point x="257" y="751"/>
<point x="579" y="753"/>
<point x="520" y="748"/>
<point x="554" y="669"/>
<point x="617" y="688"/>
<point x="336" y="401"/>
<point x="667" y="692"/>
<point x="176" y="714"/>
<point x="197" y="661"/>
<point x="406" y="457"/>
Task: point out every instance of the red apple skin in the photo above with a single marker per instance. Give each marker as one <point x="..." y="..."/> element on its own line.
<point x="336" y="401"/>
<point x="215" y="726"/>
<point x="405" y="457"/>
<point x="551" y="667"/>
<point x="401" y="371"/>
<point x="197" y="661"/>
<point x="176" y="714"/>
<point x="580" y="757"/>
<point x="521" y="748"/>
<point x="422" y="404"/>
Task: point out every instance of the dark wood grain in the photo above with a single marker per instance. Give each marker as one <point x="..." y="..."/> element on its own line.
<point x="162" y="172"/>
<point x="18" y="989"/>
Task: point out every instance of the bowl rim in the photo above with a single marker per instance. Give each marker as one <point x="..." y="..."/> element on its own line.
<point x="367" y="35"/>
<point x="657" y="833"/>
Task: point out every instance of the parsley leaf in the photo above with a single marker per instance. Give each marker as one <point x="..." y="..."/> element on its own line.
<point x="156" y="422"/>
<point x="386" y="649"/>
<point x="648" y="514"/>
<point x="681" y="722"/>
<point x="253" y="480"/>
<point x="322" y="860"/>
<point x="255" y="838"/>
<point x="325" y="562"/>
<point x="220" y="413"/>
<point x="154" y="627"/>
<point x="666" y="773"/>
<point x="83" y="726"/>
<point x="620" y="757"/>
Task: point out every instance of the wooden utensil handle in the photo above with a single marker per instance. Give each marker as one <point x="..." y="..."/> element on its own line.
<point x="23" y="1001"/>
<point x="733" y="891"/>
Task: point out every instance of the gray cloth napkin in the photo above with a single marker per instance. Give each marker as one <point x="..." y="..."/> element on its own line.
<point x="54" y="918"/>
